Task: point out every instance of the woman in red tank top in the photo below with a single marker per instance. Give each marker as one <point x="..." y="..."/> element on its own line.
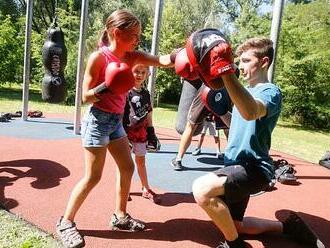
<point x="102" y="128"/>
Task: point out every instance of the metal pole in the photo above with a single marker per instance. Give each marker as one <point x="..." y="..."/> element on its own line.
<point x="155" y="46"/>
<point x="275" y="33"/>
<point x="80" y="66"/>
<point x="27" y="53"/>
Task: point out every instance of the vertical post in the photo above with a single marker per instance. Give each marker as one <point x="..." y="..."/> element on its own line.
<point x="154" y="46"/>
<point x="80" y="66"/>
<point x="27" y="53"/>
<point x="275" y="32"/>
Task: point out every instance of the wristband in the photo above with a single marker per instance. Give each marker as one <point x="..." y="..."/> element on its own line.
<point x="100" y="89"/>
<point x="174" y="53"/>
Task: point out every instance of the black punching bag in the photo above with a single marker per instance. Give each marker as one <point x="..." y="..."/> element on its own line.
<point x="54" y="57"/>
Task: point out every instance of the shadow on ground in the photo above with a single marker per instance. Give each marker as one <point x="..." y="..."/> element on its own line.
<point x="44" y="174"/>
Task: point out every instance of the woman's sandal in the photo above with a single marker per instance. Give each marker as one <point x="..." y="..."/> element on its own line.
<point x="69" y="235"/>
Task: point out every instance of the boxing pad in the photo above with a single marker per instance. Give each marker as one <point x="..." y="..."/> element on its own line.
<point x="54" y="58"/>
<point x="188" y="93"/>
<point x="216" y="101"/>
<point x="182" y="66"/>
<point x="211" y="56"/>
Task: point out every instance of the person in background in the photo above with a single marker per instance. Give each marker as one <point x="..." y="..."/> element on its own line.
<point x="139" y="127"/>
<point x="208" y="125"/>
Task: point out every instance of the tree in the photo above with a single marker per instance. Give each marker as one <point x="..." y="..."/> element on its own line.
<point x="303" y="68"/>
<point x="11" y="50"/>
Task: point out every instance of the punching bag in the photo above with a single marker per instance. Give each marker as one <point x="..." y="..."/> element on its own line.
<point x="188" y="93"/>
<point x="54" y="57"/>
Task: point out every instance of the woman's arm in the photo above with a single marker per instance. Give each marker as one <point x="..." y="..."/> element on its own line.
<point x="94" y="65"/>
<point x="151" y="60"/>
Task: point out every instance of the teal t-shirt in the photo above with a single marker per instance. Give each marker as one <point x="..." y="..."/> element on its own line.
<point x="250" y="141"/>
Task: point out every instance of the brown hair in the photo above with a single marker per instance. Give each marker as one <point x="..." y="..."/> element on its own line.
<point x="262" y="47"/>
<point x="121" y="19"/>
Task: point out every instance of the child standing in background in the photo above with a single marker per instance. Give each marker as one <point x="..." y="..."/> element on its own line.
<point x="138" y="125"/>
<point x="209" y="124"/>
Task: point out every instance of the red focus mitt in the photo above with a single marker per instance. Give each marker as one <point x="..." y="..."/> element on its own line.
<point x="216" y="101"/>
<point x="211" y="56"/>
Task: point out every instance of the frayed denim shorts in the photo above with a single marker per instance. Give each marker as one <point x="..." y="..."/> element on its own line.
<point x="98" y="128"/>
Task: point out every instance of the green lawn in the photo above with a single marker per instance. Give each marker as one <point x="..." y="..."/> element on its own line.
<point x="16" y="233"/>
<point x="293" y="139"/>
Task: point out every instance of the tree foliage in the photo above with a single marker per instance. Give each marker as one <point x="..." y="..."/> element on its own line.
<point x="11" y="49"/>
<point x="302" y="69"/>
<point x="303" y="66"/>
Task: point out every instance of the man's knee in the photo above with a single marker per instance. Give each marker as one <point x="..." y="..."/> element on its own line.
<point x="199" y="189"/>
<point x="205" y="189"/>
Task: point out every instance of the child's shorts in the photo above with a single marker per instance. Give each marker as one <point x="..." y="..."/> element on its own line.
<point x="209" y="125"/>
<point x="139" y="149"/>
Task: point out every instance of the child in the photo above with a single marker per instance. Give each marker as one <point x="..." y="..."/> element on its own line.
<point x="209" y="124"/>
<point x="137" y="123"/>
<point x="225" y="193"/>
<point x="107" y="79"/>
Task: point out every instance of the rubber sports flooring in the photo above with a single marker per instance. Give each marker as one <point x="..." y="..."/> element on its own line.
<point x="41" y="160"/>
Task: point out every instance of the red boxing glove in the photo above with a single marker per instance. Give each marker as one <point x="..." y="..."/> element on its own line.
<point x="182" y="66"/>
<point x="118" y="79"/>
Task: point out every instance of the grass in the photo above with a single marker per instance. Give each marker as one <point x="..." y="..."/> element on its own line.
<point x="17" y="233"/>
<point x="305" y="143"/>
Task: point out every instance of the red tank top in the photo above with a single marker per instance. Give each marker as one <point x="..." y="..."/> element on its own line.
<point x="110" y="102"/>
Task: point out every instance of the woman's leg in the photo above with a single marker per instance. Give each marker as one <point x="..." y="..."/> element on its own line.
<point x="120" y="151"/>
<point x="94" y="163"/>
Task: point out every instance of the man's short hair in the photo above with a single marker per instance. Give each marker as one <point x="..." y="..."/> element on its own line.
<point x="262" y="47"/>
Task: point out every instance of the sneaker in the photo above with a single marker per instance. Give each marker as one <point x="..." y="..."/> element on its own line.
<point x="177" y="165"/>
<point x="68" y="233"/>
<point x="298" y="230"/>
<point x="126" y="223"/>
<point x="286" y="174"/>
<point x="196" y="152"/>
<point x="149" y="194"/>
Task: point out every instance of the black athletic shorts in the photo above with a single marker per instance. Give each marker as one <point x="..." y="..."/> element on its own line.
<point x="242" y="181"/>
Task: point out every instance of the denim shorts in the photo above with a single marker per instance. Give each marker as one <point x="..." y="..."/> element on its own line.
<point x="99" y="128"/>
